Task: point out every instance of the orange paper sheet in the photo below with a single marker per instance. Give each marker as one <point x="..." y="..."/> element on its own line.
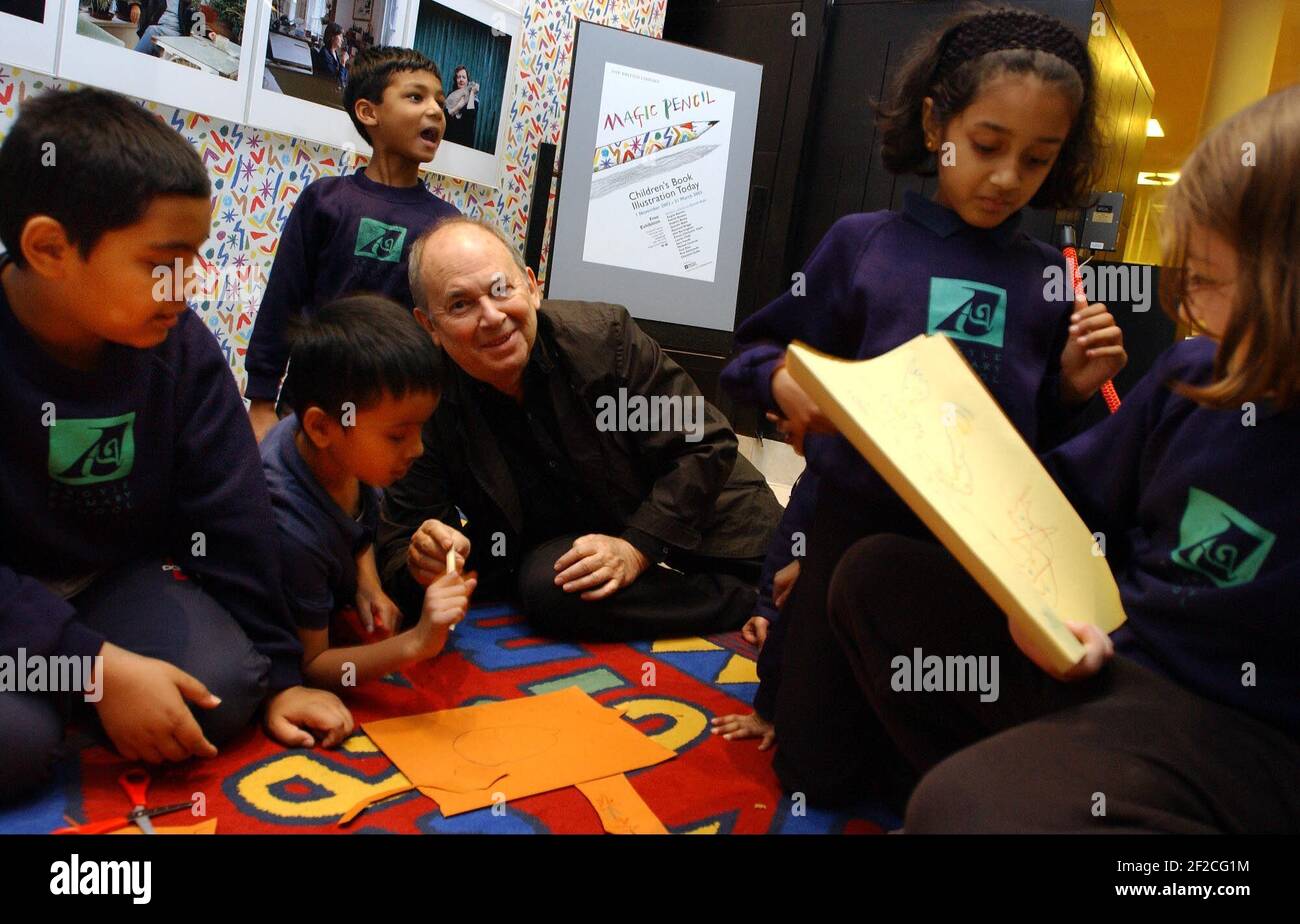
<point x="461" y="758"/>
<point x="350" y="815"/>
<point x="620" y="807"/>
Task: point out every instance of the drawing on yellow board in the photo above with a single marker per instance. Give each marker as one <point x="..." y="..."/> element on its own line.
<point x="1035" y="543"/>
<point x="923" y="419"/>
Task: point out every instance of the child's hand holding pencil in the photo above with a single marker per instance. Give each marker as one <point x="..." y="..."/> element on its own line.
<point x="446" y="601"/>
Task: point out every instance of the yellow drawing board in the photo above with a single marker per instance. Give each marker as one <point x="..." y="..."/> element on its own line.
<point x="926" y="423"/>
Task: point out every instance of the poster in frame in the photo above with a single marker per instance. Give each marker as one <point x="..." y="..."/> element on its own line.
<point x="656" y="158"/>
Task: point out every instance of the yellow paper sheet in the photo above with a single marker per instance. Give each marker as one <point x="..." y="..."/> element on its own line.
<point x="520" y="747"/>
<point x="620" y="807"/>
<point x="203" y="827"/>
<point x="925" y="422"/>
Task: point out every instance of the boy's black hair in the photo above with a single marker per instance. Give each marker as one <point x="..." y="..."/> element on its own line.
<point x="93" y="161"/>
<point x="370" y="72"/>
<point x="358" y="349"/>
<point x="952" y="63"/>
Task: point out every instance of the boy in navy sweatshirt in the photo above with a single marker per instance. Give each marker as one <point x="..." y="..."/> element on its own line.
<point x="350" y="234"/>
<point x="127" y="456"/>
<point x="366" y="378"/>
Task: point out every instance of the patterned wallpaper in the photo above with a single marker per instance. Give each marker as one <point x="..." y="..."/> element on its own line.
<point x="257" y="175"/>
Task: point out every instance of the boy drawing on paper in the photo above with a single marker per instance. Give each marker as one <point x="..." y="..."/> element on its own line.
<point x="127" y="455"/>
<point x="366" y="378"/>
<point x="352" y="233"/>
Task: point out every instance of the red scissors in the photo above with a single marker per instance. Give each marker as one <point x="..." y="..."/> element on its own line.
<point x="136" y="783"/>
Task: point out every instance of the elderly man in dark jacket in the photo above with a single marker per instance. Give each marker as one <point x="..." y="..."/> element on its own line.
<point x="581" y="457"/>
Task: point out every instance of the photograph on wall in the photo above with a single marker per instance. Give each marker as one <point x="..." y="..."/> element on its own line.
<point x="473" y="57"/>
<point x="312" y="43"/>
<point x="185" y="53"/>
<point x="33" y="10"/>
<point x="29" y="34"/>
<point x="659" y="173"/>
<point x="202" y="36"/>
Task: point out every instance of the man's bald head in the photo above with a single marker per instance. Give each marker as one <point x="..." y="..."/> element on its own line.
<point x="462" y="231"/>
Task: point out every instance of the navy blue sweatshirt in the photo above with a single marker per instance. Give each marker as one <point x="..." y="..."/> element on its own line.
<point x="345" y="235"/>
<point x="1201" y="515"/>
<point x="880" y="278"/>
<point x="148" y="449"/>
<point x="319" y="541"/>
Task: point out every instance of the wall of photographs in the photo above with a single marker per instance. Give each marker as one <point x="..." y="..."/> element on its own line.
<point x="280" y="65"/>
<point x="259" y="170"/>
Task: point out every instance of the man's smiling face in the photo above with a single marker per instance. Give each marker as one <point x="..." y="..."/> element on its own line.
<point x="481" y="307"/>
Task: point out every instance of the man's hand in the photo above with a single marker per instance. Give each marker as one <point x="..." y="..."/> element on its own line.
<point x="261" y="414"/>
<point x="1093" y="354"/>
<point x="598" y="566"/>
<point x="801" y="414"/>
<point x="426" y="556"/>
<point x="295" y="709"/>
<point x="1097" y="650"/>
<point x="143" y="708"/>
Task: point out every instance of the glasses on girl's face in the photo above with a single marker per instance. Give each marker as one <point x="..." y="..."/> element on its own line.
<point x="1197" y="282"/>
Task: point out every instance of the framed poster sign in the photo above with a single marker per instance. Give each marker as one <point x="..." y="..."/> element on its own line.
<point x="658" y="146"/>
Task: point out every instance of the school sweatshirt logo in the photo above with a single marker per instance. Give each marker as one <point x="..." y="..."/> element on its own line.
<point x="966" y="310"/>
<point x="93" y="449"/>
<point x="1221" y="543"/>
<point x="379" y="241"/>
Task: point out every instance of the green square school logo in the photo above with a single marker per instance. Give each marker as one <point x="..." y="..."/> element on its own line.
<point x="966" y="310"/>
<point x="379" y="241"/>
<point x="1222" y="544"/>
<point x="91" y="450"/>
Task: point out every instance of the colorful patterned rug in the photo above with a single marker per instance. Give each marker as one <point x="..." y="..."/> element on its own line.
<point x="671" y="689"/>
